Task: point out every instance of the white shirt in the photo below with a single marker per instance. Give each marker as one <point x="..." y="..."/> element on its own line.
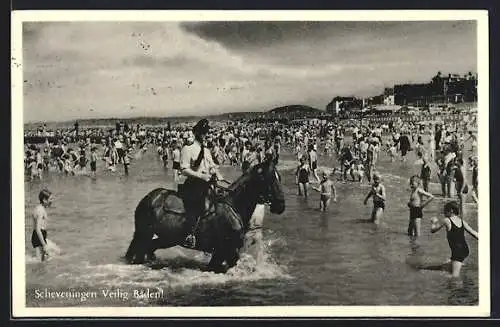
<point x="189" y="154"/>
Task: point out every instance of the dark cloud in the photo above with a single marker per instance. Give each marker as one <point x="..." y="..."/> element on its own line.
<point x="253" y="34"/>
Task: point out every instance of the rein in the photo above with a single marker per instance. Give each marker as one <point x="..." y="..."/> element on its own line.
<point x="223" y="199"/>
<point x="224" y="188"/>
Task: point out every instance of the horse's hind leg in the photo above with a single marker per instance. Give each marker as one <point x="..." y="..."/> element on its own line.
<point x="130" y="255"/>
<point x="141" y="249"/>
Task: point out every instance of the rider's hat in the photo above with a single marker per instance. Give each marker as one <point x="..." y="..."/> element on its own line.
<point x="201" y="128"/>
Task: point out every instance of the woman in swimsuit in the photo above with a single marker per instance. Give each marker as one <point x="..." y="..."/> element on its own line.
<point x="455" y="227"/>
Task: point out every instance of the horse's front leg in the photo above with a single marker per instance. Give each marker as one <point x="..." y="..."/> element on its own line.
<point x="232" y="257"/>
<point x="254" y="245"/>
<point x="216" y="262"/>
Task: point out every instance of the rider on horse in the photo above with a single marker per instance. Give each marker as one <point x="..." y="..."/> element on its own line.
<point x="199" y="168"/>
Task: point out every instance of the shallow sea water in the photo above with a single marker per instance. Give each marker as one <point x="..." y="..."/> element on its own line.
<point x="311" y="258"/>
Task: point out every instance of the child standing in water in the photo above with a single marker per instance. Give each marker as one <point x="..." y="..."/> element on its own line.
<point x="416" y="205"/>
<point x="82" y="161"/>
<point x="455" y="227"/>
<point x="461" y="186"/>
<point x="326" y="188"/>
<point x="40" y="217"/>
<point x="176" y="161"/>
<point x="378" y="193"/>
<point x="313" y="162"/>
<point x="302" y="176"/>
<point x="93" y="161"/>
<point x="425" y="173"/>
<point x="126" y="160"/>
<point x="361" y="170"/>
<point x="473" y="163"/>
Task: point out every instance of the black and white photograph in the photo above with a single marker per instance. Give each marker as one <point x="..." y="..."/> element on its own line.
<point x="246" y="164"/>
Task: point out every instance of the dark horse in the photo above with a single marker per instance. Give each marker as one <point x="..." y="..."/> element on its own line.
<point x="160" y="222"/>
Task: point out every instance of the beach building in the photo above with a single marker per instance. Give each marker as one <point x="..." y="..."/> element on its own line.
<point x="443" y="88"/>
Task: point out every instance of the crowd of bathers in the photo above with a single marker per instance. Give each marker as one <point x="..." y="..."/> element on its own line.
<point x="347" y="149"/>
<point x="244" y="144"/>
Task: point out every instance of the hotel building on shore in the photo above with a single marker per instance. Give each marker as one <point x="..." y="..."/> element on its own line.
<point x="442" y="89"/>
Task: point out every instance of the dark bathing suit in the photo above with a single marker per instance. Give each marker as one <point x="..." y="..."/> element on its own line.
<point x="303" y="176"/>
<point x="35" y="240"/>
<point x="416" y="212"/>
<point x="457" y="243"/>
<point x="379" y="204"/>
<point x="459" y="182"/>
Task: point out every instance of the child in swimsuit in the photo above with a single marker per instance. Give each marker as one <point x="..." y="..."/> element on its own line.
<point x="416" y="205"/>
<point x="361" y="171"/>
<point x="126" y="160"/>
<point x="473" y="163"/>
<point x="326" y="188"/>
<point x="302" y="177"/>
<point x="378" y="193"/>
<point x="455" y="227"/>
<point x="425" y="173"/>
<point x="461" y="187"/>
<point x="93" y="161"/>
<point x="313" y="161"/>
<point x="82" y="161"/>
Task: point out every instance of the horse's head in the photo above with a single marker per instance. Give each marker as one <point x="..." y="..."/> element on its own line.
<point x="268" y="182"/>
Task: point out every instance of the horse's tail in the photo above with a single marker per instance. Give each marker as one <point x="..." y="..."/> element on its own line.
<point x="140" y="248"/>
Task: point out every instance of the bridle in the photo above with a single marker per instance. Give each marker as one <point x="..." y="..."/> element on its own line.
<point x="266" y="199"/>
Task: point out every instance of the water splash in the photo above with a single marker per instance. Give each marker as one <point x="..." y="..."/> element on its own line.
<point x="177" y="268"/>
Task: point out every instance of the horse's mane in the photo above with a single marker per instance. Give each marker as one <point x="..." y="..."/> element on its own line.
<point x="244" y="177"/>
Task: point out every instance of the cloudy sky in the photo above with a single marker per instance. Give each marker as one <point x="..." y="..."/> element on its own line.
<point x="125" y="69"/>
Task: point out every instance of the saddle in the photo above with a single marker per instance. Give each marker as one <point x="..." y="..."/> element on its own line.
<point x="174" y="202"/>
